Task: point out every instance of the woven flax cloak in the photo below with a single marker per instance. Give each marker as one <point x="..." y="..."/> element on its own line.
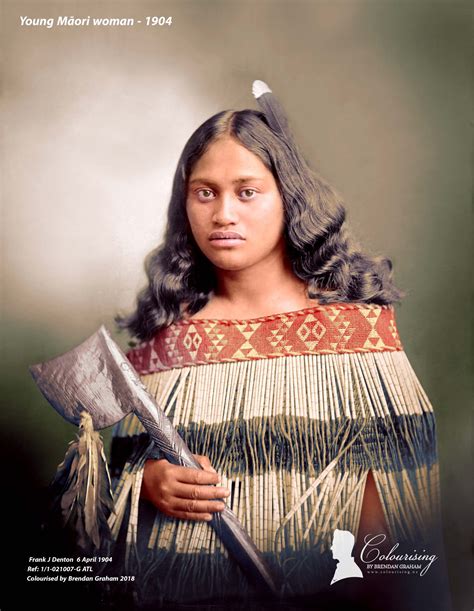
<point x="292" y="410"/>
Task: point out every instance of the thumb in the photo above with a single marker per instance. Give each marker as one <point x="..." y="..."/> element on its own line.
<point x="205" y="463"/>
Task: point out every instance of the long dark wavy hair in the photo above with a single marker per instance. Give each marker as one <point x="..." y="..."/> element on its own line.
<point x="181" y="279"/>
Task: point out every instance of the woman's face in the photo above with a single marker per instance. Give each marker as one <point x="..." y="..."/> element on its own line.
<point x="234" y="208"/>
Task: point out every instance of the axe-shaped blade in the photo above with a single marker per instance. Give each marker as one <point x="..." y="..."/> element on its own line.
<point x="85" y="379"/>
<point x="97" y="377"/>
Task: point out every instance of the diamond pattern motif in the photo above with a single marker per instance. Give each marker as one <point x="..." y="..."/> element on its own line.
<point x="325" y="329"/>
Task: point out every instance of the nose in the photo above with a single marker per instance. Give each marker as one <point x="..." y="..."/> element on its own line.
<point x="225" y="212"/>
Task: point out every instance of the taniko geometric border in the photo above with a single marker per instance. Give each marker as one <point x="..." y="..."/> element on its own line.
<point x="323" y="329"/>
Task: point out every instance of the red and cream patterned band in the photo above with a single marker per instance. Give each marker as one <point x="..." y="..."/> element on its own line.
<point x="323" y="329"/>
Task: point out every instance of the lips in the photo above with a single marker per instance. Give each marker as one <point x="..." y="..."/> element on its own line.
<point x="225" y="235"/>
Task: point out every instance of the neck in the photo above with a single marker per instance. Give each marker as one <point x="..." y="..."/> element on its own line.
<point x="252" y="293"/>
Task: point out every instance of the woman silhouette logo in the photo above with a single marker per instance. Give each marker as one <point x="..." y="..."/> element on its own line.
<point x="342" y="546"/>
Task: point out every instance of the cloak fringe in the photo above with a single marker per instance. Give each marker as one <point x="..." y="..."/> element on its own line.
<point x="293" y="439"/>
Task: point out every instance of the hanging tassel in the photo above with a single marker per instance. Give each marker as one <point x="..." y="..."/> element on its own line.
<point x="83" y="487"/>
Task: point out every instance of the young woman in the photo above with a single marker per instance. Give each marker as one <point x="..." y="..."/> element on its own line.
<point x="270" y="341"/>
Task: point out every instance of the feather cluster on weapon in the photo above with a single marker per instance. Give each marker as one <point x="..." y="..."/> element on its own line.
<point x="83" y="486"/>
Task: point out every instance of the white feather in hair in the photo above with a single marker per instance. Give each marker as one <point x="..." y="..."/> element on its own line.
<point x="272" y="109"/>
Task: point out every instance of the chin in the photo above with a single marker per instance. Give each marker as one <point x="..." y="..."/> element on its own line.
<point x="229" y="264"/>
<point x="230" y="267"/>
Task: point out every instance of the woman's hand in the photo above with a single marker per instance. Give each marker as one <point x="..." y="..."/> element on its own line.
<point x="183" y="492"/>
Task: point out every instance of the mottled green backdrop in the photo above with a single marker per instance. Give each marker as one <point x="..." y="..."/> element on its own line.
<point x="379" y="95"/>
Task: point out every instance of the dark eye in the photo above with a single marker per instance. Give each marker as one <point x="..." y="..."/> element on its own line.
<point x="204" y="195"/>
<point x="247" y="193"/>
